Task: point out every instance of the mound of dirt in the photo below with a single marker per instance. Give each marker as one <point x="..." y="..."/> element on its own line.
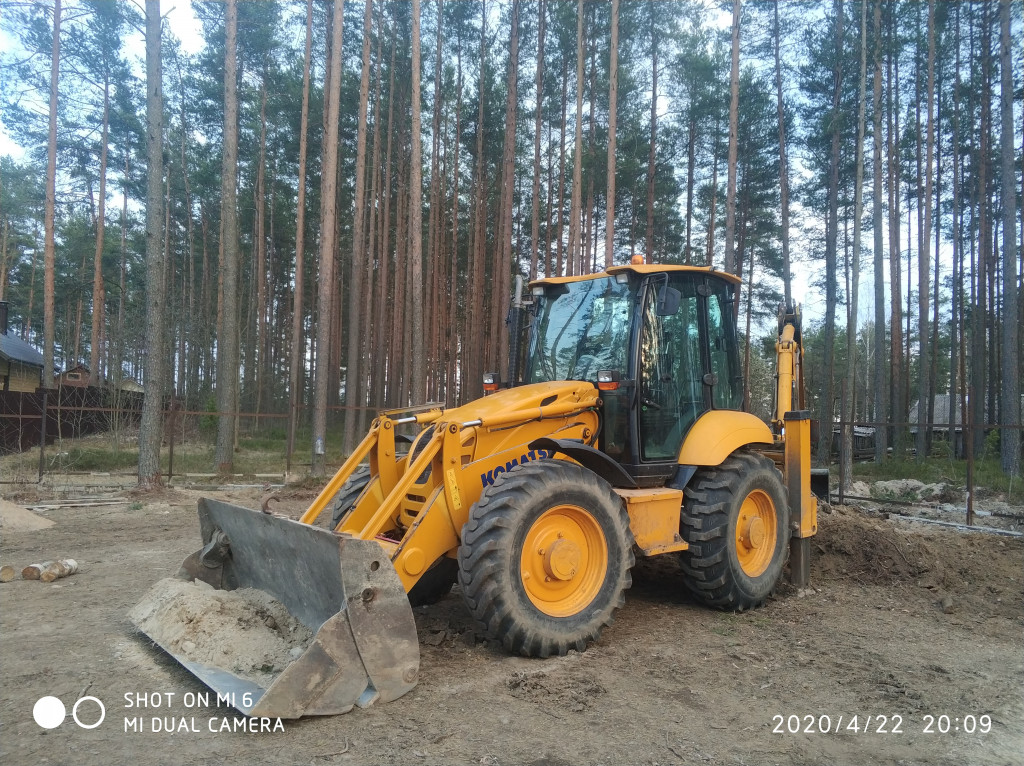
<point x="870" y="549"/>
<point x="851" y="545"/>
<point x="246" y="632"/>
<point x="15" y="517"/>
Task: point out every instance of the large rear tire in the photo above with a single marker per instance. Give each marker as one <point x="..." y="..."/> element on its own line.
<point x="736" y="520"/>
<point x="545" y="558"/>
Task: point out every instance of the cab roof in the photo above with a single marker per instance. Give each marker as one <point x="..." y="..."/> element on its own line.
<point x="639" y="269"/>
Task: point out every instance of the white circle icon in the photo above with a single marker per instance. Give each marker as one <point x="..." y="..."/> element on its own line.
<point x="49" y="712"/>
<point x="74" y="713"/>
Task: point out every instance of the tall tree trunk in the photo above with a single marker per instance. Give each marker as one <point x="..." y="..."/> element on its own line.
<point x="4" y="260"/>
<point x="258" y="361"/>
<point x="372" y="352"/>
<point x="416" y="221"/>
<point x="613" y="98"/>
<point x="924" y="390"/>
<point x="787" y="278"/>
<point x="538" y="125"/>
<point x="328" y="244"/>
<point x="899" y="407"/>
<point x="850" y="413"/>
<point x="354" y="396"/>
<point x="652" y="150"/>
<point x="956" y="361"/>
<point x="122" y="285"/>
<point x="712" y="208"/>
<point x="589" y="238"/>
<point x="227" y="341"/>
<point x="435" y="292"/>
<point x="730" y="264"/>
<point x="382" y="330"/>
<point x="26" y="332"/>
<point x="151" y="427"/>
<point x="1009" y="436"/>
<point x="691" y="166"/>
<point x="979" y="255"/>
<point x="297" y="342"/>
<point x="98" y="291"/>
<point x="575" y="239"/>
<point x="502" y="274"/>
<point x="878" y="360"/>
<point x="454" y="392"/>
<point x="50" y="246"/>
<point x="477" y="317"/>
<point x="76" y="355"/>
<point x="933" y="369"/>
<point x="831" y="236"/>
<point x="560" y="237"/>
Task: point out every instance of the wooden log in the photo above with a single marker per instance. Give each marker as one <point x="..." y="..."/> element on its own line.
<point x="7" y="573"/>
<point x="32" y="571"/>
<point x="59" y="569"/>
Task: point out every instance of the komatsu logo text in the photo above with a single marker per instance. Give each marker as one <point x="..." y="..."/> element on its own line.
<point x="487" y="479"/>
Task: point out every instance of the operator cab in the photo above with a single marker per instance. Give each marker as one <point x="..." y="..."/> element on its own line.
<point x="659" y="341"/>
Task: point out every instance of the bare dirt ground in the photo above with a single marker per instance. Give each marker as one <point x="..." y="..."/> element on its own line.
<point x="906" y="621"/>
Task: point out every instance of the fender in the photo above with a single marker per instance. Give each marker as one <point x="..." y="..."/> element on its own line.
<point x="590" y="458"/>
<point x="719" y="433"/>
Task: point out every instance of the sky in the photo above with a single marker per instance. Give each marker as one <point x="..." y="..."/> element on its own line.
<point x="178" y="15"/>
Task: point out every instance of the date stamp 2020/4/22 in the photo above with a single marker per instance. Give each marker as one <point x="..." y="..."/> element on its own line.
<point x="851" y="725"/>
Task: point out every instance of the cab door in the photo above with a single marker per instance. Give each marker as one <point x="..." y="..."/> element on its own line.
<point x="671" y="366"/>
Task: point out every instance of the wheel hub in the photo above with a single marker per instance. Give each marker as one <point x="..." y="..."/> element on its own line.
<point x="562" y="559"/>
<point x="756" y="533"/>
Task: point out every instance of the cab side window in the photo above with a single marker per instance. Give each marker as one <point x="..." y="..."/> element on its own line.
<point x="671" y="369"/>
<point x="727" y="392"/>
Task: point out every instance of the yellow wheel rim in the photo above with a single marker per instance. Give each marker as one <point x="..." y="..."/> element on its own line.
<point x="564" y="561"/>
<point x="756" y="533"/>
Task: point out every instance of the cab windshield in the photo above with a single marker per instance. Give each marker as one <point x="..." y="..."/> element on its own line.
<point x="580" y="328"/>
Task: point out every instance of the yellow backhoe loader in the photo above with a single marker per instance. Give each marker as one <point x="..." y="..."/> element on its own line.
<point x="621" y="434"/>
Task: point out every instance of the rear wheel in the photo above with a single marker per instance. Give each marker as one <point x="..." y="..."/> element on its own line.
<point x="736" y="520"/>
<point x="545" y="558"/>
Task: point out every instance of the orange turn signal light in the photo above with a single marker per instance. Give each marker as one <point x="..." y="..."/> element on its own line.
<point x="607" y="380"/>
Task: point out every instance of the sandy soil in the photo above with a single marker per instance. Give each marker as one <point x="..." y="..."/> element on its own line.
<point x="903" y="621"/>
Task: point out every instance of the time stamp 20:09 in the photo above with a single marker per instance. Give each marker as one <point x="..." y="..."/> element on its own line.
<point x="881" y="724"/>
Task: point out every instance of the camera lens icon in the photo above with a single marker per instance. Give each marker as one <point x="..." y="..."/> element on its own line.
<point x="49" y="712"/>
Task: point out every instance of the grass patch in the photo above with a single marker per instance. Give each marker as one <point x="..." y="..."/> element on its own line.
<point x="94" y="459"/>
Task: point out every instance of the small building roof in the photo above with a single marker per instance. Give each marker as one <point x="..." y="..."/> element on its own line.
<point x="941" y="418"/>
<point x="17" y="350"/>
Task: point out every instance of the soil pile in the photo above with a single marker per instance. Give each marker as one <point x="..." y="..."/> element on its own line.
<point x="15" y="517"/>
<point x="246" y="631"/>
<point x="853" y="546"/>
<point x="871" y="549"/>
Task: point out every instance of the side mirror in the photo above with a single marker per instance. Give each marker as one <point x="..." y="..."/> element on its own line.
<point x="668" y="301"/>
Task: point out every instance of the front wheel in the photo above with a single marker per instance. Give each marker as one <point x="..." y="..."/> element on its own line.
<point x="545" y="558"/>
<point x="349" y="493"/>
<point x="736" y="520"/>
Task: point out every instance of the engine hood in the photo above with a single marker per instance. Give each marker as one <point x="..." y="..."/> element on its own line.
<point x="532" y="396"/>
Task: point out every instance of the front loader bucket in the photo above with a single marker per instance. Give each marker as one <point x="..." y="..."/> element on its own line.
<point x="282" y="619"/>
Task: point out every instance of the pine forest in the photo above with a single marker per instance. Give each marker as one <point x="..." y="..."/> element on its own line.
<point x="319" y="210"/>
